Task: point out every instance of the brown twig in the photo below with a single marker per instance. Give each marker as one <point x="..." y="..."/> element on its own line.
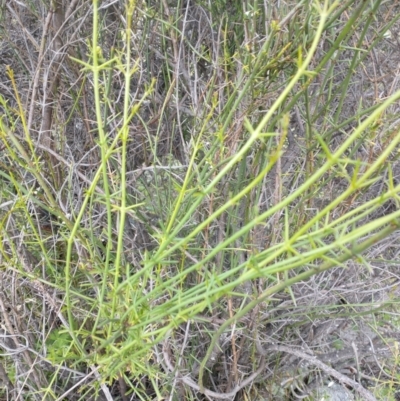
<point x="220" y="396"/>
<point x="367" y="396"/>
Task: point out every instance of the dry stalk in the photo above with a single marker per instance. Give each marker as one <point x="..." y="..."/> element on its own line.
<point x="193" y="384"/>
<point x="18" y="349"/>
<point x="367" y="396"/>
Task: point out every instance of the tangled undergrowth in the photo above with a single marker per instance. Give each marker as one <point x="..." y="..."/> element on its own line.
<point x="199" y="200"/>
